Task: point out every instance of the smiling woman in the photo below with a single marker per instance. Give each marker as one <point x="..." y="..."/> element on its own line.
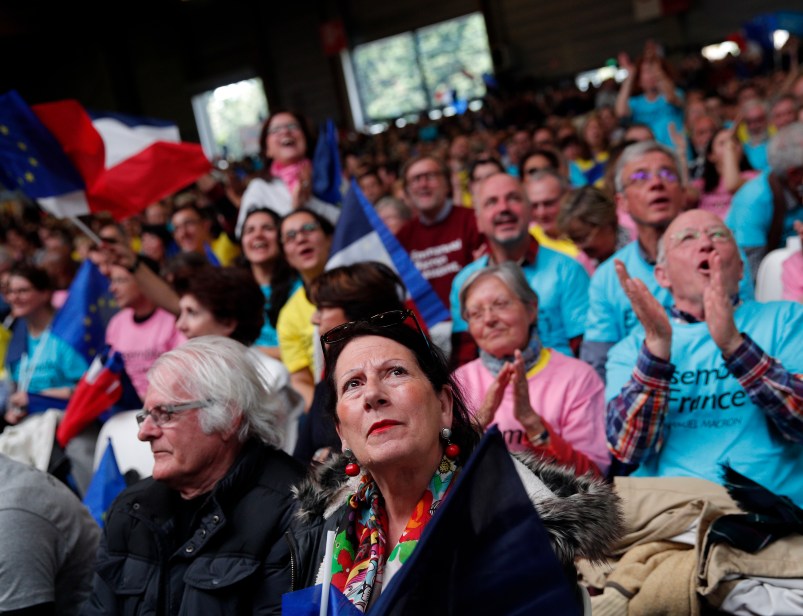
<point x="286" y="184"/>
<point x="542" y="400"/>
<point x="408" y="433"/>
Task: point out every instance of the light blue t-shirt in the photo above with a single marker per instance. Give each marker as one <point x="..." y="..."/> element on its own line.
<point x="711" y="420"/>
<point x="267" y="335"/>
<point x="57" y="364"/>
<point x="751" y="210"/>
<point x="657" y="114"/>
<point x="757" y="155"/>
<point x="610" y="316"/>
<point x="562" y="287"/>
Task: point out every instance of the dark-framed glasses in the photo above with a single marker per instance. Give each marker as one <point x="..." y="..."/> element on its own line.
<point x="163" y="413"/>
<point x="391" y="318"/>
<point x="306" y="229"/>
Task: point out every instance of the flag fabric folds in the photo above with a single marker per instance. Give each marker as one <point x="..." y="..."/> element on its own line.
<point x="307" y="602"/>
<point x="74" y="163"/>
<point x="361" y="235"/>
<point x="485" y="551"/>
<point x="106" y="485"/>
<point x="326" y="171"/>
<point x="81" y="322"/>
<point x="99" y="388"/>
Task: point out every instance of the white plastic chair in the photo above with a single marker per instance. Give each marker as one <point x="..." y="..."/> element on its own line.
<point x="768" y="280"/>
<point x="130" y="452"/>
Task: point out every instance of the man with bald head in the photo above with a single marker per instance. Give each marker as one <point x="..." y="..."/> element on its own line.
<point x="503" y="214"/>
<point x="719" y="380"/>
<point x="649" y="188"/>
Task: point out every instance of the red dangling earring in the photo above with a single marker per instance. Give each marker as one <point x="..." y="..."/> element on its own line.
<point x="352" y="468"/>
<point x="451" y="450"/>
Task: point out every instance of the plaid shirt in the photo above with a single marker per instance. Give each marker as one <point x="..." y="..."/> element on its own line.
<point x="636" y="416"/>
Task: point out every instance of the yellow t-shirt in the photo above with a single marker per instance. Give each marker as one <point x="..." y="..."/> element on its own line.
<point x="296" y="332"/>
<point x="225" y="250"/>
<point x="564" y="245"/>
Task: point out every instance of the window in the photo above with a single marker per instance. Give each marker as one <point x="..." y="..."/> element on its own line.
<point x="230" y="117"/>
<point x="438" y="67"/>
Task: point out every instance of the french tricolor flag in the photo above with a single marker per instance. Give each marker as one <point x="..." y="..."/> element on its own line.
<point x="361" y="235"/>
<point x="74" y="163"/>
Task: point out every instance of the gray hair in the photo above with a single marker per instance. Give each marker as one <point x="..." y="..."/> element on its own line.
<point x="637" y="150"/>
<point x="510" y="274"/>
<point x="785" y="149"/>
<point x="543" y="174"/>
<point x="397" y="205"/>
<point x="220" y="370"/>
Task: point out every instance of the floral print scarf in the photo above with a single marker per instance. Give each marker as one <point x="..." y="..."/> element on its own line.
<point x="359" y="556"/>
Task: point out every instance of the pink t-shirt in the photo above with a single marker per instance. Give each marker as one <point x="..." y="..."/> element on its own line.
<point x="792" y="277"/>
<point x="564" y="391"/>
<point x="719" y="200"/>
<point x="142" y="343"/>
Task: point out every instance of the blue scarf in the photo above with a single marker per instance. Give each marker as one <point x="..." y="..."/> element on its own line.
<point x="530" y="353"/>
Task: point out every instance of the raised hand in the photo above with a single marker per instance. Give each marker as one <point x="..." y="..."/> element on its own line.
<point x="718" y="309"/>
<point x="493" y="397"/>
<point x="649" y="311"/>
<point x="523" y="411"/>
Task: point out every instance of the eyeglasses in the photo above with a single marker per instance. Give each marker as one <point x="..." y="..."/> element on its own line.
<point x="499" y="305"/>
<point x="427" y="176"/>
<point x="163" y="413"/>
<point x="717" y="235"/>
<point x="306" y="229"/>
<point x="642" y="176"/>
<point x="275" y="130"/>
<point x="391" y="318"/>
<point x="583" y="239"/>
<point x="547" y="202"/>
<point x="24" y="291"/>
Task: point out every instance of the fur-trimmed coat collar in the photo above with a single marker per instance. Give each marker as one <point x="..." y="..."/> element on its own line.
<point x="582" y="515"/>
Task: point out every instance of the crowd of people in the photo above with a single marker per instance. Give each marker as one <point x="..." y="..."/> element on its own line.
<point x="597" y="254"/>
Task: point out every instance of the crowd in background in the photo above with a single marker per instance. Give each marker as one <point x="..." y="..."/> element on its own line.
<point x="243" y="252"/>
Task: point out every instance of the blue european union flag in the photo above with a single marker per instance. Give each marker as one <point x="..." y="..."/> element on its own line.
<point x="30" y="157"/>
<point x="106" y="484"/>
<point x="81" y="322"/>
<point x="326" y="170"/>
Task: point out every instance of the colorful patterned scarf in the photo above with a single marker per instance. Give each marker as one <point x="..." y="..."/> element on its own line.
<point x="359" y="556"/>
<point x="288" y="172"/>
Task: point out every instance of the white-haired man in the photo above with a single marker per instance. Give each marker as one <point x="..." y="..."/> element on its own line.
<point x="205" y="534"/>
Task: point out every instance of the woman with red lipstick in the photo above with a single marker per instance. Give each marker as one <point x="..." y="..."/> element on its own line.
<point x="406" y="434"/>
<point x="286" y="182"/>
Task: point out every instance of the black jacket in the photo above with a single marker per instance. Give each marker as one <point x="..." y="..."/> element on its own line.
<point x="235" y="561"/>
<point x="582" y="517"/>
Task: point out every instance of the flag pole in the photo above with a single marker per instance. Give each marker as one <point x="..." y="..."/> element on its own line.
<point x="327" y="571"/>
<point x="86" y="230"/>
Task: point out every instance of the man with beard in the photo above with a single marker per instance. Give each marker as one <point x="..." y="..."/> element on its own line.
<point x="503" y="216"/>
<point x="649" y="188"/>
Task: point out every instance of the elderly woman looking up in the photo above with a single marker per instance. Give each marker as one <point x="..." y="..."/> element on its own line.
<point x="204" y="534"/>
<point x="340" y="295"/>
<point x="286" y="184"/>
<point x="407" y="432"/>
<point x="542" y="400"/>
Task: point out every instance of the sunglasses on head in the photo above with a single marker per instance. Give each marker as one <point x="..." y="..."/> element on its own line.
<point x="391" y="318"/>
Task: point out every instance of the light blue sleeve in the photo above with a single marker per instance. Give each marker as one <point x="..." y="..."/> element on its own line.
<point x="750" y="214"/>
<point x="574" y="300"/>
<point x="458" y="323"/>
<point x="601" y="321"/>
